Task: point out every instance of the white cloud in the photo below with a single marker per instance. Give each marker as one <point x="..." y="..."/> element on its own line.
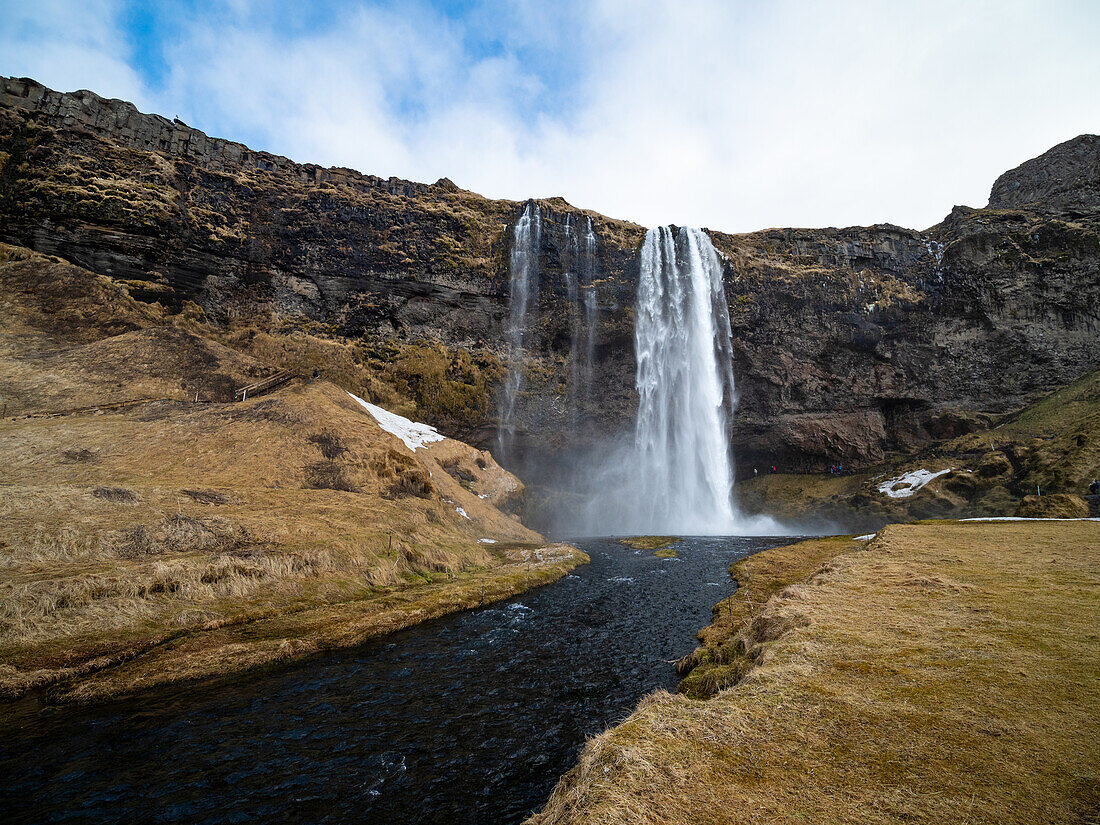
<point x="69" y="46"/>
<point x="729" y="115"/>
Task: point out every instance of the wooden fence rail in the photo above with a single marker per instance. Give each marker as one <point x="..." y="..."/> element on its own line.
<point x="263" y="385"/>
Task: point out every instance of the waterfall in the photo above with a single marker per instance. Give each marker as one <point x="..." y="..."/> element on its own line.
<point x="523" y="270"/>
<point x="579" y="273"/>
<point x="682" y="469"/>
<point x="674" y="474"/>
<point x="577" y="253"/>
<point x="591" y="315"/>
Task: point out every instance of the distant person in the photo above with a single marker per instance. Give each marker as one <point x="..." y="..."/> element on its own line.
<point x="1094" y="488"/>
<point x="755" y="472"/>
<point x="316" y="373"/>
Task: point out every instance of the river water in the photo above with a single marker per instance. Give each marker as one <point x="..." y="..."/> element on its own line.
<point x="466" y="719"/>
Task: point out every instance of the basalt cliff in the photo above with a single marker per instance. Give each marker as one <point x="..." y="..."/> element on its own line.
<point x="852" y="346"/>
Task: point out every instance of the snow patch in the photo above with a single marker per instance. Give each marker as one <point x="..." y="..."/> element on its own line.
<point x="462" y="513"/>
<point x="486" y="541"/>
<point x="413" y="434"/>
<point x="905" y="485"/>
<point x="868" y="537"/>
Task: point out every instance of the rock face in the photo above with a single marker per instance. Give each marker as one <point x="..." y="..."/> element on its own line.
<point x="1063" y="180"/>
<point x="850" y="344"/>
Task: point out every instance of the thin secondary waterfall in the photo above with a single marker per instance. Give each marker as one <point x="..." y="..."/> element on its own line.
<point x="591" y="315"/>
<point x="579" y="274"/>
<point x="682" y="464"/>
<point x="523" y="269"/>
<point x="577" y="255"/>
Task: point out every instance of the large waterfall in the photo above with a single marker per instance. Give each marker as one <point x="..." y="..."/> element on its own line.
<point x="675" y="475"/>
<point x="683" y="468"/>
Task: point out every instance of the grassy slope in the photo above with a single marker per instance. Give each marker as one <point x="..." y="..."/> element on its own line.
<point x="171" y="537"/>
<point x="923" y="677"/>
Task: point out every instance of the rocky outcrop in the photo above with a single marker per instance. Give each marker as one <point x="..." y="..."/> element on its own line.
<point x="1065" y="179"/>
<point x="850" y="344"/>
<point x="854" y="343"/>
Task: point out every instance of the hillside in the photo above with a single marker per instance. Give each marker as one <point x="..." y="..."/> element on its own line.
<point x="154" y="529"/>
<point x="1049" y="448"/>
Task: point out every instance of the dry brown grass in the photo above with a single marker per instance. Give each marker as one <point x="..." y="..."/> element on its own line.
<point x="98" y="557"/>
<point x="1055" y="505"/>
<point x="139" y="529"/>
<point x="721" y="660"/>
<point x="943" y="673"/>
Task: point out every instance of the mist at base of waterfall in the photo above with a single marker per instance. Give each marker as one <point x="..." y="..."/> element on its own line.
<point x="598" y="492"/>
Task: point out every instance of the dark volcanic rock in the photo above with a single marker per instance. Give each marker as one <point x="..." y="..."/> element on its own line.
<point x="850" y="343"/>
<point x="1063" y="179"/>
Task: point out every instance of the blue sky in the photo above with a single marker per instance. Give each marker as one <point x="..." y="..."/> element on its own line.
<point x="732" y="115"/>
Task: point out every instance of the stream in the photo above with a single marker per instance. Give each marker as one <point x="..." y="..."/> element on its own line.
<point x="470" y="718"/>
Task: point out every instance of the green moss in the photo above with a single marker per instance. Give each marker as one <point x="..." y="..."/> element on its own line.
<point x="666" y="553"/>
<point x="648" y="542"/>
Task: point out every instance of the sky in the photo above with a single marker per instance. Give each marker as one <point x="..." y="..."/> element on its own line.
<point x="735" y="115"/>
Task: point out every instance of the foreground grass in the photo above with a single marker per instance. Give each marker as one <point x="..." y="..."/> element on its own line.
<point x="292" y="633"/>
<point x="720" y="661"/>
<point x="939" y="673"/>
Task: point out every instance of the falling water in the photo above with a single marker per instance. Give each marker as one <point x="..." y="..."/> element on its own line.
<point x="577" y="250"/>
<point x="591" y="316"/>
<point x="683" y="473"/>
<point x="579" y="273"/>
<point x="523" y="268"/>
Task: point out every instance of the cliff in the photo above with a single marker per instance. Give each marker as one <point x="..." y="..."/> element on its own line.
<point x="851" y="345"/>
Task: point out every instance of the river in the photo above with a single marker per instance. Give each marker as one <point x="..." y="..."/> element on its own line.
<point x="466" y="719"/>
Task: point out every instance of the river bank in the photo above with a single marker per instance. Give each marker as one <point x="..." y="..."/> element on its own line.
<point x="939" y="672"/>
<point x="297" y="632"/>
<point x="469" y="718"/>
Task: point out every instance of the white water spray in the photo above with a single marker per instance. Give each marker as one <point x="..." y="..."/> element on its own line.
<point x="685" y="386"/>
<point x="676" y="476"/>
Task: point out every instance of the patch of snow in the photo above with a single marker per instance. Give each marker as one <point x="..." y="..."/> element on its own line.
<point x="1022" y="518"/>
<point x="868" y="537"/>
<point x="482" y="495"/>
<point x="905" y="485"/>
<point x="462" y="513"/>
<point x="486" y="541"/>
<point x="413" y="434"/>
